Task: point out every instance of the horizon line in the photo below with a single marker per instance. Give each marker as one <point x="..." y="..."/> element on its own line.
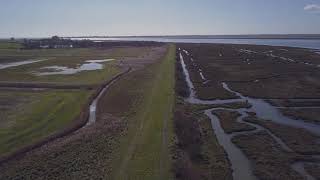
<point x="276" y="36"/>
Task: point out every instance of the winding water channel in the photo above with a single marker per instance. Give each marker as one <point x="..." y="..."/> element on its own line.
<point x="241" y="165"/>
<point x="93" y="106"/>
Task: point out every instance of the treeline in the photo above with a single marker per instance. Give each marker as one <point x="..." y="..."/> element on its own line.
<point x="57" y="42"/>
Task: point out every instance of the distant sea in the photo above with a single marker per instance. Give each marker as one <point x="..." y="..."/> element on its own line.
<point x="307" y="41"/>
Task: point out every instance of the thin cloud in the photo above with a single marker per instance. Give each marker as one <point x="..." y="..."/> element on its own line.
<point x="312" y="8"/>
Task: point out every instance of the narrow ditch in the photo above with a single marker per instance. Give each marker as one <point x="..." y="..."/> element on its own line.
<point x="93" y="106"/>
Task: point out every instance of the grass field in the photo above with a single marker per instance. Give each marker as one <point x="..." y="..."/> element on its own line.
<point x="130" y="139"/>
<point x="10" y="45"/>
<point x="70" y="58"/>
<point x="27" y="117"/>
<point x="25" y="73"/>
<point x="118" y="52"/>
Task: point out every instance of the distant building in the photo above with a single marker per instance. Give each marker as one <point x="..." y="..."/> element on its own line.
<point x="63" y="46"/>
<point x="44" y="46"/>
<point x="54" y="42"/>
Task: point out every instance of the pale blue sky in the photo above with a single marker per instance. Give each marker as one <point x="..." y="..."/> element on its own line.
<point x="40" y="18"/>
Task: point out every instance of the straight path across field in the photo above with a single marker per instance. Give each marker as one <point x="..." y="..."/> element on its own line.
<point x="147" y="155"/>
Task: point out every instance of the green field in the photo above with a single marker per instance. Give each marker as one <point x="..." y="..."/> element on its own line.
<point x="25" y="73"/>
<point x="10" y="45"/>
<point x="131" y="139"/>
<point x="70" y="58"/>
<point x="119" y="52"/>
<point x="27" y="117"/>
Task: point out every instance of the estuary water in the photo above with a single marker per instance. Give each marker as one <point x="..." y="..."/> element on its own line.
<point x="303" y="43"/>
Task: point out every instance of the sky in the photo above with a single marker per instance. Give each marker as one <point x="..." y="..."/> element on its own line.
<point x="43" y="18"/>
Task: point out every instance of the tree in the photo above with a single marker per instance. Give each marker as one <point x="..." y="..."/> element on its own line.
<point x="55" y="38"/>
